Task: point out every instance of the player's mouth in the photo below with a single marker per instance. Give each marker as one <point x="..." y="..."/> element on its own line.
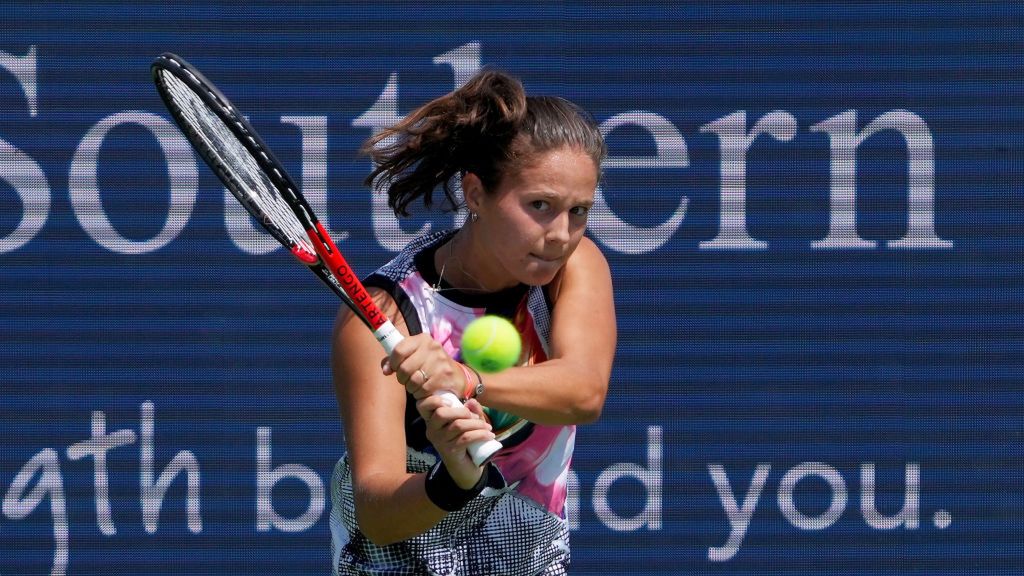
<point x="546" y="260"/>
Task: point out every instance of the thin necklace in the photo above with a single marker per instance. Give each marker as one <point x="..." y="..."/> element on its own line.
<point x="444" y="265"/>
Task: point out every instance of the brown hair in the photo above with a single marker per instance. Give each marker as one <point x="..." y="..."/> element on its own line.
<point x="489" y="127"/>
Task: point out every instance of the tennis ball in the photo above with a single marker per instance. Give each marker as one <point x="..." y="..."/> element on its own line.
<point x="491" y="344"/>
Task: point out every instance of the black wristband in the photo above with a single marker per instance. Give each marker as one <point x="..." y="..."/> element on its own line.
<point x="445" y="493"/>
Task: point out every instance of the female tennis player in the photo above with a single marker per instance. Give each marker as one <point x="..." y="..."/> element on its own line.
<point x="407" y="499"/>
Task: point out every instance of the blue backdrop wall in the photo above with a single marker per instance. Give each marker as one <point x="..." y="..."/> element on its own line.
<point x="813" y="215"/>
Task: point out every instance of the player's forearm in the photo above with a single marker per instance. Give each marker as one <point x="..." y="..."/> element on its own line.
<point x="552" y="392"/>
<point x="391" y="512"/>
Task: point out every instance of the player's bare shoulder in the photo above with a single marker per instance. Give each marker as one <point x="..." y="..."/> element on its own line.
<point x="384" y="301"/>
<point x="585" y="267"/>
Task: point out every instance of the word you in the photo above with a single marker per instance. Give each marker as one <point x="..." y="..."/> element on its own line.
<point x="739" y="508"/>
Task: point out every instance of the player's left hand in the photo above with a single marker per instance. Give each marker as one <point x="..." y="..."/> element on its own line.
<point x="424" y="368"/>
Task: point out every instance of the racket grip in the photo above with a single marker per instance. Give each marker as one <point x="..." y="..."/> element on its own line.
<point x="481" y="451"/>
<point x="388" y="336"/>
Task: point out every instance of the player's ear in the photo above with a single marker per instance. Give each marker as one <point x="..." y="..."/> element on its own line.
<point x="472" y="191"/>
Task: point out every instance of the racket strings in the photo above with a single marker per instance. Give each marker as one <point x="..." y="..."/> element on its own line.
<point x="252" y="186"/>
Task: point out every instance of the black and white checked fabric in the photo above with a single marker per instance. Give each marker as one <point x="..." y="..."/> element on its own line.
<point x="497" y="533"/>
<point x="403" y="263"/>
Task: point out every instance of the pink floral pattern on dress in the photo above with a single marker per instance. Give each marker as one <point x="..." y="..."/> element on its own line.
<point x="537" y="467"/>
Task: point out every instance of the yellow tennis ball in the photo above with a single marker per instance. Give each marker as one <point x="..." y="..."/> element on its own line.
<point x="491" y="344"/>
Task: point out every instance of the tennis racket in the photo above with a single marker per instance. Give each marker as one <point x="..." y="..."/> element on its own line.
<point x="244" y="163"/>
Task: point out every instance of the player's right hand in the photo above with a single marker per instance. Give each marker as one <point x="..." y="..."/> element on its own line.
<point x="451" y="429"/>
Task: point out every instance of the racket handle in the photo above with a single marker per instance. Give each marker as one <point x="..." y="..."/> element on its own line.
<point x="388" y="336"/>
<point x="481" y="451"/>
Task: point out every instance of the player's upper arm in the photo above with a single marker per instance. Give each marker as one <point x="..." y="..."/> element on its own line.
<point x="372" y="405"/>
<point x="583" y="327"/>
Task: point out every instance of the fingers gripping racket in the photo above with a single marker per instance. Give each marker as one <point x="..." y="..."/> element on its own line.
<point x="250" y="171"/>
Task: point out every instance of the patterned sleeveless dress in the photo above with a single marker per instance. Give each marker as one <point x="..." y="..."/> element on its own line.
<point x="517" y="526"/>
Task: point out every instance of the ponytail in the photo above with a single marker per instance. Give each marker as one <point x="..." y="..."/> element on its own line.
<point x="468" y="130"/>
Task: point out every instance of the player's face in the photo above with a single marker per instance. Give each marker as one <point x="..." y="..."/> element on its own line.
<point x="533" y="221"/>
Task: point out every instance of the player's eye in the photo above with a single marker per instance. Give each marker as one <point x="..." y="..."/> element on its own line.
<point x="540" y="205"/>
<point x="580" y="211"/>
